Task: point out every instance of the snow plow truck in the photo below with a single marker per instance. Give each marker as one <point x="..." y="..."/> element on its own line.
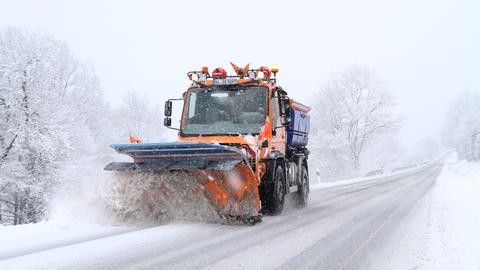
<point x="241" y="149"/>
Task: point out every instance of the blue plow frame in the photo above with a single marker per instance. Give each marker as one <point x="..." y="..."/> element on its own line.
<point x="176" y="156"/>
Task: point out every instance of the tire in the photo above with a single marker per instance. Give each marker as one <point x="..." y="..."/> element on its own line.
<point x="301" y="196"/>
<point x="274" y="193"/>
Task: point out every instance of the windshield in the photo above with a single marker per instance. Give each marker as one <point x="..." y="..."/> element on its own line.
<point x="221" y="110"/>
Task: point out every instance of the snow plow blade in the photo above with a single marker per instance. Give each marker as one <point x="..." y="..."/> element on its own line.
<point x="213" y="182"/>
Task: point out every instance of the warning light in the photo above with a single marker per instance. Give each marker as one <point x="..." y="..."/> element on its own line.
<point x="274" y="68"/>
<point x="205" y="70"/>
<point x="263" y="73"/>
<point x="135" y="140"/>
<point x="219" y="73"/>
<point x="193" y="76"/>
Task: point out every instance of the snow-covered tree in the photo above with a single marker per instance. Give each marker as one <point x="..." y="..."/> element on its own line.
<point x="51" y="110"/>
<point x="462" y="127"/>
<point x="350" y="111"/>
<point x="55" y="125"/>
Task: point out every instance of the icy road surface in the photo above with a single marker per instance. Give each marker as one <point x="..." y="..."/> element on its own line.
<point x="343" y="227"/>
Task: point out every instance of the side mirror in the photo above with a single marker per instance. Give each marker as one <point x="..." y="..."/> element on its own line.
<point x="168" y="108"/>
<point x="285" y="111"/>
<point x="167" y="122"/>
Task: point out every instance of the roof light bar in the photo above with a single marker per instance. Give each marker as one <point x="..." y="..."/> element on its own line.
<point x="261" y="74"/>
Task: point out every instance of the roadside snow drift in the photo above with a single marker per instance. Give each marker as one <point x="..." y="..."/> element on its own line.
<point x="443" y="231"/>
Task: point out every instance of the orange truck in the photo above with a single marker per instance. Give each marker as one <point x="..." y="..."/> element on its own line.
<point x="241" y="147"/>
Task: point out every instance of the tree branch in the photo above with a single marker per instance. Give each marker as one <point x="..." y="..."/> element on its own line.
<point x="7" y="150"/>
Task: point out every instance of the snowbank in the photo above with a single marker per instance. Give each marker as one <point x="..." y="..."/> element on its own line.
<point x="29" y="238"/>
<point x="442" y="232"/>
<point x="386" y="176"/>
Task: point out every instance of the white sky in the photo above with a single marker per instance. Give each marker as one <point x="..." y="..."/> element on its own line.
<point x="426" y="51"/>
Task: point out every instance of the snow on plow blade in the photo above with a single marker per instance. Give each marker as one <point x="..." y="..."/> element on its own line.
<point x="211" y="181"/>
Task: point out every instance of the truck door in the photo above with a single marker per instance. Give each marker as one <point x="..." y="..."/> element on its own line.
<point x="279" y="138"/>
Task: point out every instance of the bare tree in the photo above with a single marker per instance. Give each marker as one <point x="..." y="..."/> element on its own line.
<point x="354" y="107"/>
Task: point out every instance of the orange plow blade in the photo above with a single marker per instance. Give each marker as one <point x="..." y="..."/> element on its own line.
<point x="210" y="188"/>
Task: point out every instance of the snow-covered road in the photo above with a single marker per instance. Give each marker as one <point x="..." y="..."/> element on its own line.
<point x="343" y="227"/>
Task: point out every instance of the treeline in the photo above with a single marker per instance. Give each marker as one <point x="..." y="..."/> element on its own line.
<point x="462" y="128"/>
<point x="53" y="114"/>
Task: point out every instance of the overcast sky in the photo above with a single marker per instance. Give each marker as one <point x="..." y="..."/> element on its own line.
<point x="426" y="51"/>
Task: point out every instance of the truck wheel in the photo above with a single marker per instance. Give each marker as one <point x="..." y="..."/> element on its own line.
<point x="275" y="193"/>
<point x="301" y="196"/>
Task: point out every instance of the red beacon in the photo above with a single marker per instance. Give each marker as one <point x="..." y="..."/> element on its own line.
<point x="219" y="73"/>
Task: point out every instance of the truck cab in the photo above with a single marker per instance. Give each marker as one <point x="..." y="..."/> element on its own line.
<point x="250" y="112"/>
